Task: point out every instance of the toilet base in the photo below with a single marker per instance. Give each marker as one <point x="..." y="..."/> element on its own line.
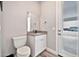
<point x="11" y="55"/>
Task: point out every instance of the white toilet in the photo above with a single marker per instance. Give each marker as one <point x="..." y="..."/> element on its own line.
<point x="20" y="44"/>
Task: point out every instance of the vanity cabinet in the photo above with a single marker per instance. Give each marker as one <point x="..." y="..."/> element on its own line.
<point x="37" y="43"/>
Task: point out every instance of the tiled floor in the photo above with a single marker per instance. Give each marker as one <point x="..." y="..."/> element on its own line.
<point x="46" y="54"/>
<point x="43" y="54"/>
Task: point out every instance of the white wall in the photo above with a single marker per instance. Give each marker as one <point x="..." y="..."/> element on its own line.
<point x="14" y="21"/>
<point x="0" y="31"/>
<point x="48" y="13"/>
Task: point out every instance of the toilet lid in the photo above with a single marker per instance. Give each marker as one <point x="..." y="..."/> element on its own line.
<point x="23" y="50"/>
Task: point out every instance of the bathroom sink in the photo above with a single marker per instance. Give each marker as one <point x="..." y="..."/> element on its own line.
<point x="37" y="32"/>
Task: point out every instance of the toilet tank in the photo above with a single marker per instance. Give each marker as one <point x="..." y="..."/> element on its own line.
<point x="19" y="41"/>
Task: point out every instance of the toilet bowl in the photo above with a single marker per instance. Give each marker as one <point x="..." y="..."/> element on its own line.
<point x="22" y="50"/>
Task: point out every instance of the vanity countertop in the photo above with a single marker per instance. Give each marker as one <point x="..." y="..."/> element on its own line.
<point x="38" y="33"/>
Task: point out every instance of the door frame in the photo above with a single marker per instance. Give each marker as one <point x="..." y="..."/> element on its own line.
<point x="58" y="12"/>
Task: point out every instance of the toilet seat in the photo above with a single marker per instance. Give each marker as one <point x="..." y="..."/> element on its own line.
<point x="23" y="51"/>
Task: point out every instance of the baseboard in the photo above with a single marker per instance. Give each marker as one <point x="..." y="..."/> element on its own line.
<point x="52" y="51"/>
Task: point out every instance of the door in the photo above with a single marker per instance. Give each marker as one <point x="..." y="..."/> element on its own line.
<point x="68" y="42"/>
